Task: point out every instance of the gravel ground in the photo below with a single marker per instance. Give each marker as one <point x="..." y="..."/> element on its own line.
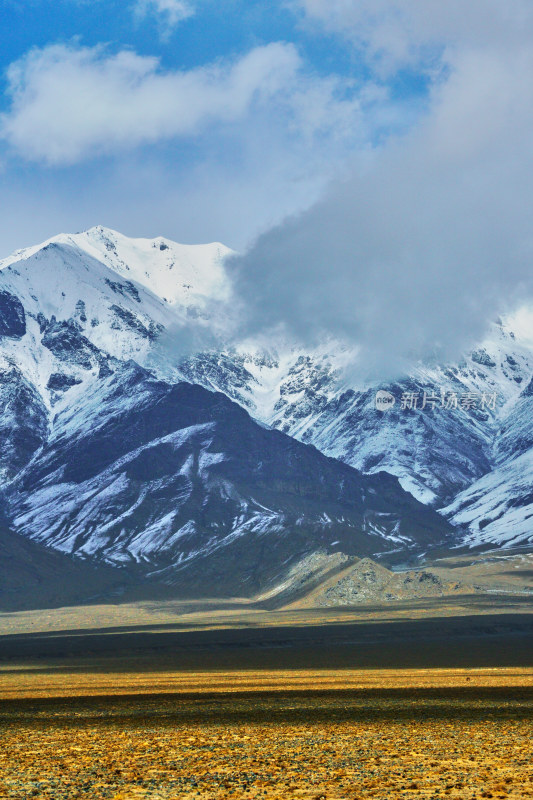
<point x="396" y="737"/>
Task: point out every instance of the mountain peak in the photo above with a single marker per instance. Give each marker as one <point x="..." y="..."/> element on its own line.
<point x="170" y="270"/>
<point x="174" y="272"/>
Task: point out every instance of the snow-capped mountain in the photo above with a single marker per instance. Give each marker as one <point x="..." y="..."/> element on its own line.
<point x="185" y="275"/>
<point x="109" y="461"/>
<point x="119" y="306"/>
<point x="77" y="309"/>
<point x="474" y="463"/>
<point x="72" y="306"/>
<point x="157" y="474"/>
<point x="436" y="447"/>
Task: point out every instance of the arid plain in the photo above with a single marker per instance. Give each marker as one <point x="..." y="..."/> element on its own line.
<point x="428" y="696"/>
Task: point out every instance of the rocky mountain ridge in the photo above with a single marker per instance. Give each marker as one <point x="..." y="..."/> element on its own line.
<point x="81" y="311"/>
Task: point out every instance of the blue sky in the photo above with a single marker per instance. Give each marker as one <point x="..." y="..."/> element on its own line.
<point x="227" y="174"/>
<point x="216" y="30"/>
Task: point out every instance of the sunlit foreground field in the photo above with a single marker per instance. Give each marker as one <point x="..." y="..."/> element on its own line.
<point x="394" y="733"/>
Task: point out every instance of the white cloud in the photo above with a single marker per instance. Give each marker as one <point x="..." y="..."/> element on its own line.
<point x="418" y="251"/>
<point x="70" y="103"/>
<point x="169" y="12"/>
<point x="396" y="33"/>
<point x="219" y="153"/>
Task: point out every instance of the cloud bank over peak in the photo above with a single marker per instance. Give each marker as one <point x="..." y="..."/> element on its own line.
<point x="413" y="255"/>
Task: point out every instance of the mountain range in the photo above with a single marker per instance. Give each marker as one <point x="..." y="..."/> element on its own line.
<point x="139" y="437"/>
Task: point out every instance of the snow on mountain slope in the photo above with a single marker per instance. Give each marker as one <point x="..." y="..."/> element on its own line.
<point x="24" y="422"/>
<point x="435" y="452"/>
<point x="75" y="308"/>
<point x="120" y="293"/>
<point x="141" y="472"/>
<point x="110" y="293"/>
<point x="178" y="274"/>
<point x="515" y="435"/>
<point x="498" y="508"/>
<point x="72" y="308"/>
<point x="78" y="319"/>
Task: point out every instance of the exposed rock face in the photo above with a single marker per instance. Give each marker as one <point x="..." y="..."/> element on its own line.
<point x="65" y="340"/>
<point x="12" y="316"/>
<point x="132" y="321"/>
<point x="60" y="383"/>
<point x="23" y="422"/>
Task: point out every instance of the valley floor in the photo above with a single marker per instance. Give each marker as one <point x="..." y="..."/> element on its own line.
<point x="428" y="697"/>
<point x="381" y="734"/>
